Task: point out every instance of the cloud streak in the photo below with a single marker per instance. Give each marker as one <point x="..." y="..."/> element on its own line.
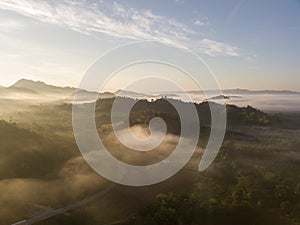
<point x="117" y="21"/>
<point x="199" y="23"/>
<point x="214" y="48"/>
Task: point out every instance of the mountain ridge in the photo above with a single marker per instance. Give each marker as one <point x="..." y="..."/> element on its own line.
<point x="39" y="86"/>
<point x="26" y="82"/>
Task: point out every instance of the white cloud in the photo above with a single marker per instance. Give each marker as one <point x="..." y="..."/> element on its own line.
<point x="214" y="48"/>
<point x="117" y="21"/>
<point x="199" y="23"/>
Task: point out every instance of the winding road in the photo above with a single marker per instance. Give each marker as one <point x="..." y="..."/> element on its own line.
<point x="55" y="212"/>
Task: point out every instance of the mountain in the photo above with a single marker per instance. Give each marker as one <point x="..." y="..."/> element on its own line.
<point x="87" y="96"/>
<point x="143" y="111"/>
<point x="241" y="92"/>
<point x="219" y="97"/>
<point x="39" y="92"/>
<point x="41" y="87"/>
<point x="16" y="92"/>
<point x="124" y="93"/>
<point x="107" y="95"/>
<point x="15" y="89"/>
<point x="28" y="89"/>
<point x="246" y="91"/>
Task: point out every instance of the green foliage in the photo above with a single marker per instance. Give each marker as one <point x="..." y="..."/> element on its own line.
<point x="254" y="180"/>
<point x="27" y="154"/>
<point x="175" y="209"/>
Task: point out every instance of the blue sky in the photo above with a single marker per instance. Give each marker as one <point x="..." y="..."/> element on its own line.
<point x="248" y="44"/>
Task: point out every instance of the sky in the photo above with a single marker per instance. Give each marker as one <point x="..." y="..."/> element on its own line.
<point x="252" y="44"/>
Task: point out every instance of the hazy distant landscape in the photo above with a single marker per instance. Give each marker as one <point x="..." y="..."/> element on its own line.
<point x="267" y="100"/>
<point x="254" y="180"/>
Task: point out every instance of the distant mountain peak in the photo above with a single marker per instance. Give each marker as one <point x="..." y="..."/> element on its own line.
<point x="40" y="87"/>
<point x="129" y="93"/>
<point x="26" y="83"/>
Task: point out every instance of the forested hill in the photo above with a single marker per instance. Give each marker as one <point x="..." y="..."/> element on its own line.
<point x="144" y="110"/>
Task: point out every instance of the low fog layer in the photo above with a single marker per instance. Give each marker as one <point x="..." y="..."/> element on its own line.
<point x="73" y="181"/>
<point x="38" y="92"/>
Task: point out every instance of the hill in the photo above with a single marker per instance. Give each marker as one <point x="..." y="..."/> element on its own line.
<point x="31" y="155"/>
<point x="131" y="94"/>
<point x="240" y="91"/>
<point x="143" y="111"/>
<point x="28" y="90"/>
<point x="42" y="88"/>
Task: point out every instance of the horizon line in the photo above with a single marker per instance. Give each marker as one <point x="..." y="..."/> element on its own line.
<point x="236" y="88"/>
